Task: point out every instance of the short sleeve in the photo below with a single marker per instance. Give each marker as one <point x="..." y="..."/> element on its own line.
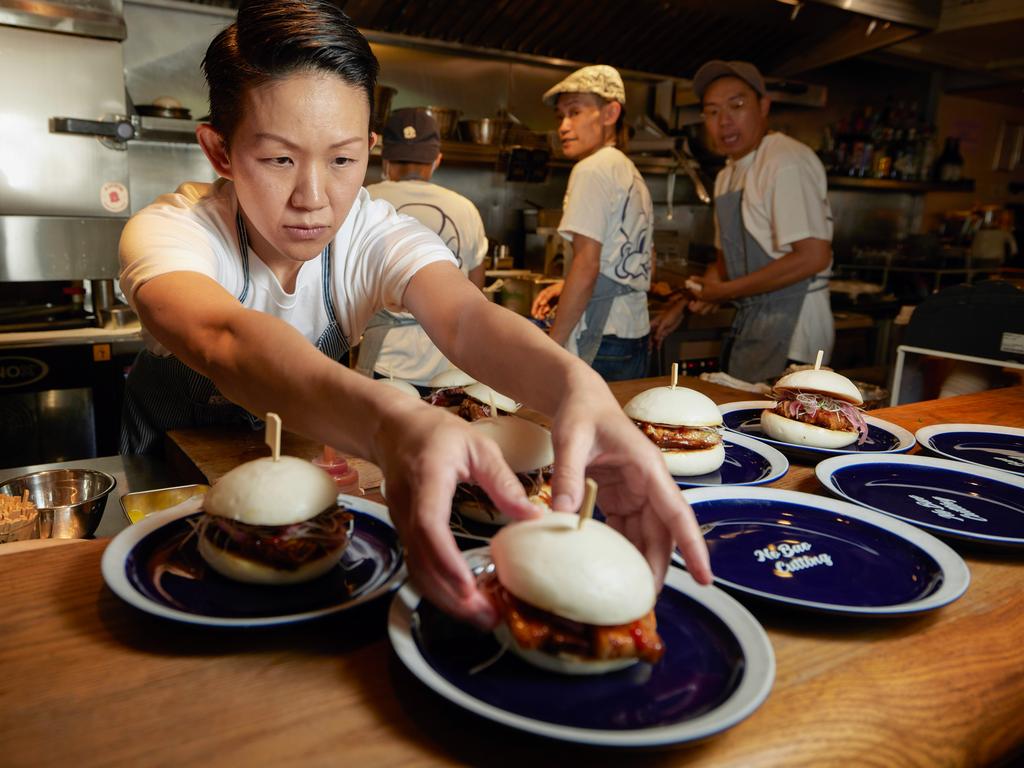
<point x="587" y="203"/>
<point x="477" y="251"/>
<point x="158" y="241"/>
<point x="799" y="206"/>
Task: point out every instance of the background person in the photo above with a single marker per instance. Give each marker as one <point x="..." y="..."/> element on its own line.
<point x="608" y="217"/>
<point x="773" y="232"/>
<point x="250" y="289"/>
<point x="393" y="344"/>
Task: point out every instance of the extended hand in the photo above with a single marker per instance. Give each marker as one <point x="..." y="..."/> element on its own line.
<point x="543" y="303"/>
<point x="668" y="320"/>
<point x="424" y="452"/>
<point x="636" y="493"/>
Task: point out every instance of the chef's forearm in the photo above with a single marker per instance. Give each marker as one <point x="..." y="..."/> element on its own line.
<point x="579" y="287"/>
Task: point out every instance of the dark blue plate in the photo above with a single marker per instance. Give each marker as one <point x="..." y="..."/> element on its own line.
<point x="155" y="565"/>
<point x="747" y="462"/>
<point x="815" y="552"/>
<point x="947" y="497"/>
<point x="718" y="667"/>
<point x="986" y="445"/>
<point x="883" y="437"/>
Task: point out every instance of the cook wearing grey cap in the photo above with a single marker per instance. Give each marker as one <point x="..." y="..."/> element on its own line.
<point x="607" y="216"/>
<point x="773" y="233"/>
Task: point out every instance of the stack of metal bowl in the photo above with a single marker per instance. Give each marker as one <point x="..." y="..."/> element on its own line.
<point x="70" y="501"/>
<point x="447" y="121"/>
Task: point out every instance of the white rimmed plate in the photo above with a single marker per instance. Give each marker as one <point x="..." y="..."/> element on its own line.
<point x="744" y="417"/>
<point x="985" y="445"/>
<point x="154" y="566"/>
<point x="949" y="498"/>
<point x="823" y="554"/>
<point x="717" y="669"/>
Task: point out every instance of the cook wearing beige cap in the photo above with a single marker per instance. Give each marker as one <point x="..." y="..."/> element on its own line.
<point x="607" y="216"/>
<point x="773" y="232"/>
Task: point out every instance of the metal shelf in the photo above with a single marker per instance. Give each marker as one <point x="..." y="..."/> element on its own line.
<point x="896" y="185"/>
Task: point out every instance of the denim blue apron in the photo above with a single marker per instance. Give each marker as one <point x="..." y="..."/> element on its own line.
<point x="162" y="393"/>
<point x="596" y="315"/>
<point x="757" y="345"/>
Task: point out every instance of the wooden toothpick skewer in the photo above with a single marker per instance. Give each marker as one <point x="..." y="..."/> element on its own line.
<point x="272" y="437"/>
<point x="494" y="408"/>
<point x="675" y="374"/>
<point x="589" y="497"/>
<point x="817" y="362"/>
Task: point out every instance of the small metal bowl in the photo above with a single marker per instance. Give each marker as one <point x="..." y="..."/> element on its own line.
<point x="70" y="501"/>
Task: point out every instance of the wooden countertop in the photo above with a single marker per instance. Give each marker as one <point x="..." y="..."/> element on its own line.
<point x="88" y="680"/>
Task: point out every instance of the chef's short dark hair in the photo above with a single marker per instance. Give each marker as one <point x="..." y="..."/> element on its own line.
<point x="277" y="38"/>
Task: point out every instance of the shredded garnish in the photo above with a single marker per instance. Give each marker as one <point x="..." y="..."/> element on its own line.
<point x="809" y="404"/>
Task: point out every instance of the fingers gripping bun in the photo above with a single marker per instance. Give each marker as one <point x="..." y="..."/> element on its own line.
<point x="798" y="433"/>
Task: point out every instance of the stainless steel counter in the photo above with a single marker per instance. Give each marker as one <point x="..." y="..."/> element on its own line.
<point x="133" y="473"/>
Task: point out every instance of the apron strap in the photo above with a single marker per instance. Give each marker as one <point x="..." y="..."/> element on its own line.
<point x="373" y="338"/>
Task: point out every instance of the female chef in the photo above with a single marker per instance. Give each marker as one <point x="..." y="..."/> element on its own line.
<point x="252" y="288"/>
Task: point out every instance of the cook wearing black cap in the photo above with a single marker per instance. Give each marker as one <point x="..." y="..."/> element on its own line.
<point x="394" y="344"/>
<point x="773" y="232"/>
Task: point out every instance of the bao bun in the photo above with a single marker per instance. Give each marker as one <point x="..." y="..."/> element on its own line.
<point x="242" y="569"/>
<point x="788" y="430"/>
<point x="526" y="447"/>
<point x="402" y="386"/>
<point x="821" y="382"/>
<point x="268" y="492"/>
<point x="452" y="377"/>
<point x="483" y="393"/>
<point x="590" y="574"/>
<point x="677" y="407"/>
<point x="681" y="407"/>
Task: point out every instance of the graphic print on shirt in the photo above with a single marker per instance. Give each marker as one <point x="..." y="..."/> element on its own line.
<point x="634" y="254"/>
<point x="435" y="219"/>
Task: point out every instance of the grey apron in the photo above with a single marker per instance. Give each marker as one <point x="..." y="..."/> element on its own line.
<point x="373" y="339"/>
<point x="757" y="346"/>
<point x="596" y="315"/>
<point x="162" y="393"/>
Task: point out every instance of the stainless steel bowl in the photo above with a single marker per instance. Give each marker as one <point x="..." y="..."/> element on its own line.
<point x="70" y="501"/>
<point x="447" y="120"/>
<point x="488" y="130"/>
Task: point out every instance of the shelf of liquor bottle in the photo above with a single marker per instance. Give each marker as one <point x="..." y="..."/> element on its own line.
<point x="899" y="185"/>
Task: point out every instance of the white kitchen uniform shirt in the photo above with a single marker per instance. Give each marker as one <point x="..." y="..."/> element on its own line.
<point x="375" y="252"/>
<point x="608" y="201"/>
<point x="408" y="353"/>
<point x="785" y="199"/>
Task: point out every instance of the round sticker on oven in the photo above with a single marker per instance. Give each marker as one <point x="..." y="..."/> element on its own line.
<point x="114" y="196"/>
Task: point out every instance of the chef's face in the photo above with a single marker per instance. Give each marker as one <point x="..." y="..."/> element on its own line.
<point x="735" y="117"/>
<point x="297" y="159"/>
<point x="585" y="123"/>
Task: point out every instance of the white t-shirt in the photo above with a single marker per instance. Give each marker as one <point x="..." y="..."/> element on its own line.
<point x="607" y="200"/>
<point x="408" y="353"/>
<point x="785" y="199"/>
<point x="375" y="252"/>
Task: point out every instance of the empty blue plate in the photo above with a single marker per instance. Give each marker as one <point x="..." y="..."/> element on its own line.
<point x="947" y="497"/>
<point x="747" y="462"/>
<point x="717" y="669"/>
<point x="985" y="445"/>
<point x="883" y="437"/>
<point x="815" y="552"/>
<point x="155" y="566"/>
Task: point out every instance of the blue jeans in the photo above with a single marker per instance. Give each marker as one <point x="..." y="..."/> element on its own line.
<point x="618" y="359"/>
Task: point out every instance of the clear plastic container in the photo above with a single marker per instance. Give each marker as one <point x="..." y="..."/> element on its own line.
<point x="346" y="477"/>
